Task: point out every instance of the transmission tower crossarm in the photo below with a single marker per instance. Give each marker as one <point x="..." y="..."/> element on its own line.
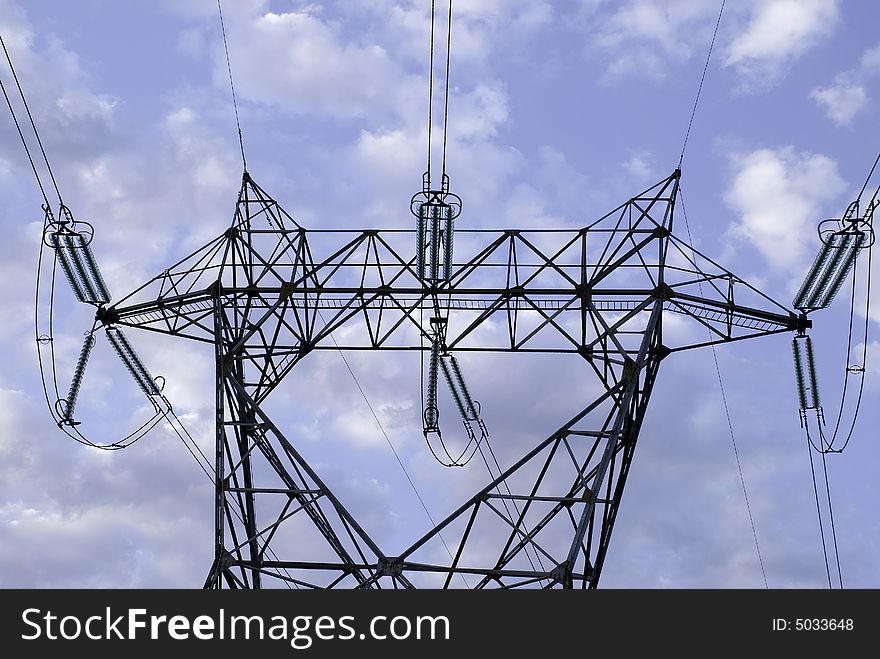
<point x="721" y="316"/>
<point x="788" y="320"/>
<point x="188" y="315"/>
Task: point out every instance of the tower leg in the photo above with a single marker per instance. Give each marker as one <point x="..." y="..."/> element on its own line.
<point x="269" y="500"/>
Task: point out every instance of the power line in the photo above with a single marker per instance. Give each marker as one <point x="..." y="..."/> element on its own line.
<point x="391" y="446"/>
<point x="868" y="179"/>
<point x="831" y="520"/>
<point x="739" y="468"/>
<point x="827" y="446"/>
<point x="818" y="509"/>
<point x="867" y="314"/>
<point x="520" y="515"/>
<point x="21" y="133"/>
<point x="56" y="412"/>
<point x="446" y="92"/>
<point x="232" y="86"/>
<point x="186" y="441"/>
<point x="430" y="92"/>
<point x="700" y="88"/>
<point x="31" y="118"/>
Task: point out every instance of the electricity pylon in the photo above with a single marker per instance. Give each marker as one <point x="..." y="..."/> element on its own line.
<point x="267" y="293"/>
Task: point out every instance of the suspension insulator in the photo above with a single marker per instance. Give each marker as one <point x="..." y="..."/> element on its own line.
<point x="815" y="269"/>
<point x="67" y="267"/>
<point x="435" y="212"/>
<point x="844" y="270"/>
<point x="805" y="373"/>
<point x="91" y="267"/>
<point x="78" y="261"/>
<point x="470" y="407"/>
<point x="811" y="372"/>
<point x="80" y="267"/>
<point x="132" y="362"/>
<point x="431" y="411"/>
<point x="421" y="222"/>
<point x="435" y="244"/>
<point x="78" y="373"/>
<point x="799" y="374"/>
<point x="456" y="396"/>
<point x="831" y="270"/>
<point x="448" y="241"/>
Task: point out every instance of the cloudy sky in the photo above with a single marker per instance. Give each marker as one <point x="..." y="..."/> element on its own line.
<point x="560" y="110"/>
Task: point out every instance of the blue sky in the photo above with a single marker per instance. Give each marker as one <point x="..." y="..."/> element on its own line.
<point x="559" y="112"/>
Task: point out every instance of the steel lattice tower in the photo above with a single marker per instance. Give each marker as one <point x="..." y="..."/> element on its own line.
<point x="267" y="293"/>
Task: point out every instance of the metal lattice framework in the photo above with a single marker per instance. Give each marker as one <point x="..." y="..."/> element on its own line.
<point x="267" y="293"/>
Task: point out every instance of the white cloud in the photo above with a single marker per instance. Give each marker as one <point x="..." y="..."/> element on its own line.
<point x="760" y="37"/>
<point x="870" y="61"/>
<point x="479" y="114"/>
<point x="779" y="195"/>
<point x="640" y="168"/>
<point x="874" y="308"/>
<point x="778" y="32"/>
<point x="842" y="101"/>
<point x="872" y="357"/>
<point x="847" y="96"/>
<point x="71" y="116"/>
<point x="295" y="60"/>
<point x="643" y="37"/>
<point x="62" y="502"/>
<point x="302" y="61"/>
